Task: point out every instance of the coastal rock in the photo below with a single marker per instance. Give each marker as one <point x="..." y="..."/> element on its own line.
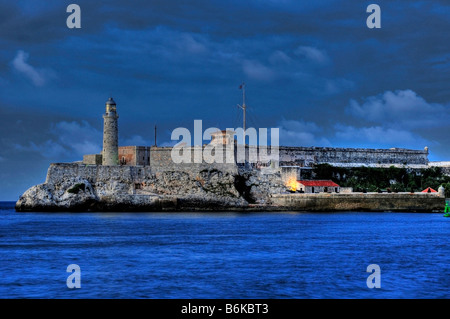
<point x="68" y="194"/>
<point x="78" y="187"/>
<point x="37" y="197"/>
<point x="260" y="186"/>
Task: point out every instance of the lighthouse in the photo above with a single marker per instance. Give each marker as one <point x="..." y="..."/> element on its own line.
<point x="110" y="153"/>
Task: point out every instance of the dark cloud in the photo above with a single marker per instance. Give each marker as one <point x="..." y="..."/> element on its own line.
<point x="404" y="109"/>
<point x="378" y="137"/>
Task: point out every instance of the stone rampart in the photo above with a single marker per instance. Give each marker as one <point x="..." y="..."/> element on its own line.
<point x="402" y="202"/>
<point x="307" y="156"/>
<point x="161" y="160"/>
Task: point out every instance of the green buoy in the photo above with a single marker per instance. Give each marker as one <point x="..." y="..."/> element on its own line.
<point x="447" y="210"/>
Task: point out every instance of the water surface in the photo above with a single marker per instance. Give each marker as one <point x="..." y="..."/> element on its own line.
<point x="223" y="255"/>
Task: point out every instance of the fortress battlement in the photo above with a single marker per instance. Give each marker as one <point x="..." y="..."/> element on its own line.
<point x="162" y="157"/>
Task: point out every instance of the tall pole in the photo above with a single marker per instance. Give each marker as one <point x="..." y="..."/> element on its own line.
<point x="243" y="107"/>
<point x="155" y="135"/>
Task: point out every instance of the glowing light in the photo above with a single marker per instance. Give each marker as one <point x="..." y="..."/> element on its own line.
<point x="292" y="184"/>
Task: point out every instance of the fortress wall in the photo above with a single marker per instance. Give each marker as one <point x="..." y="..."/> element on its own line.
<point x="134" y="155"/>
<point x="92" y="159"/>
<point x="142" y="155"/>
<point x="160" y="157"/>
<point x="306" y="156"/>
<point x="445" y="164"/>
<point x="127" y="155"/>
<point x="360" y="202"/>
<point x="58" y="172"/>
<point x="161" y="160"/>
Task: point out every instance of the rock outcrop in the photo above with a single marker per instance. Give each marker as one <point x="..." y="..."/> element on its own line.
<point x="79" y="187"/>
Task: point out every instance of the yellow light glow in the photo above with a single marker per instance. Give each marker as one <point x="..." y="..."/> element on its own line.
<point x="292" y="184"/>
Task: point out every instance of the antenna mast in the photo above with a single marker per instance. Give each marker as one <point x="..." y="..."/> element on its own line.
<point x="243" y="107"/>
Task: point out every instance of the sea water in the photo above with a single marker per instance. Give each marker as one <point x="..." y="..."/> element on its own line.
<point x="224" y="255"/>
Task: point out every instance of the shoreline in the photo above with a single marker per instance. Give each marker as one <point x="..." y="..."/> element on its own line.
<point x="363" y="202"/>
<point x="76" y="187"/>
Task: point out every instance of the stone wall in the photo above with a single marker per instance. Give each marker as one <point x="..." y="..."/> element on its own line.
<point x="445" y="164"/>
<point x="360" y="202"/>
<point x="92" y="159"/>
<point x="127" y="155"/>
<point x="142" y="155"/>
<point x="282" y="156"/>
<point x="307" y="156"/>
<point x="161" y="160"/>
<point x="134" y="155"/>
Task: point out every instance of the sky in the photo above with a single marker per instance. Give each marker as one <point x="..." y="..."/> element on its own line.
<point x="313" y="69"/>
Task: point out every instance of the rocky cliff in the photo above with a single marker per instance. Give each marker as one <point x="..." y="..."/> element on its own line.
<point x="79" y="187"/>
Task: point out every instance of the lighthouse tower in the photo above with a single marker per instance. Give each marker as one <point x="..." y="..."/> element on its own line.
<point x="110" y="153"/>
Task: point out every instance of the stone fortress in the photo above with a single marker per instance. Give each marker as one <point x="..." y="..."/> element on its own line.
<point x="303" y="157"/>
<point x="144" y="178"/>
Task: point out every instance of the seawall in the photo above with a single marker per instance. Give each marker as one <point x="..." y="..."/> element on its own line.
<point x="396" y="202"/>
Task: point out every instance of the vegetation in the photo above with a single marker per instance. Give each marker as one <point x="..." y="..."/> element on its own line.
<point x="392" y="179"/>
<point x="76" y="188"/>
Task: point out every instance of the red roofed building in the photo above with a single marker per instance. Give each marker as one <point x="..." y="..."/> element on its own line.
<point x="429" y="190"/>
<point x="321" y="186"/>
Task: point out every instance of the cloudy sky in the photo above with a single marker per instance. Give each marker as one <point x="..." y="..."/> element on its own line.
<point x="312" y="68"/>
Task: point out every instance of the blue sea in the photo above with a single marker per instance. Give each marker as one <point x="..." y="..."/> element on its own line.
<point x="227" y="255"/>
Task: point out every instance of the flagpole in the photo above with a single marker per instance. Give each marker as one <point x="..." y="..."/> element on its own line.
<point x="243" y="107"/>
